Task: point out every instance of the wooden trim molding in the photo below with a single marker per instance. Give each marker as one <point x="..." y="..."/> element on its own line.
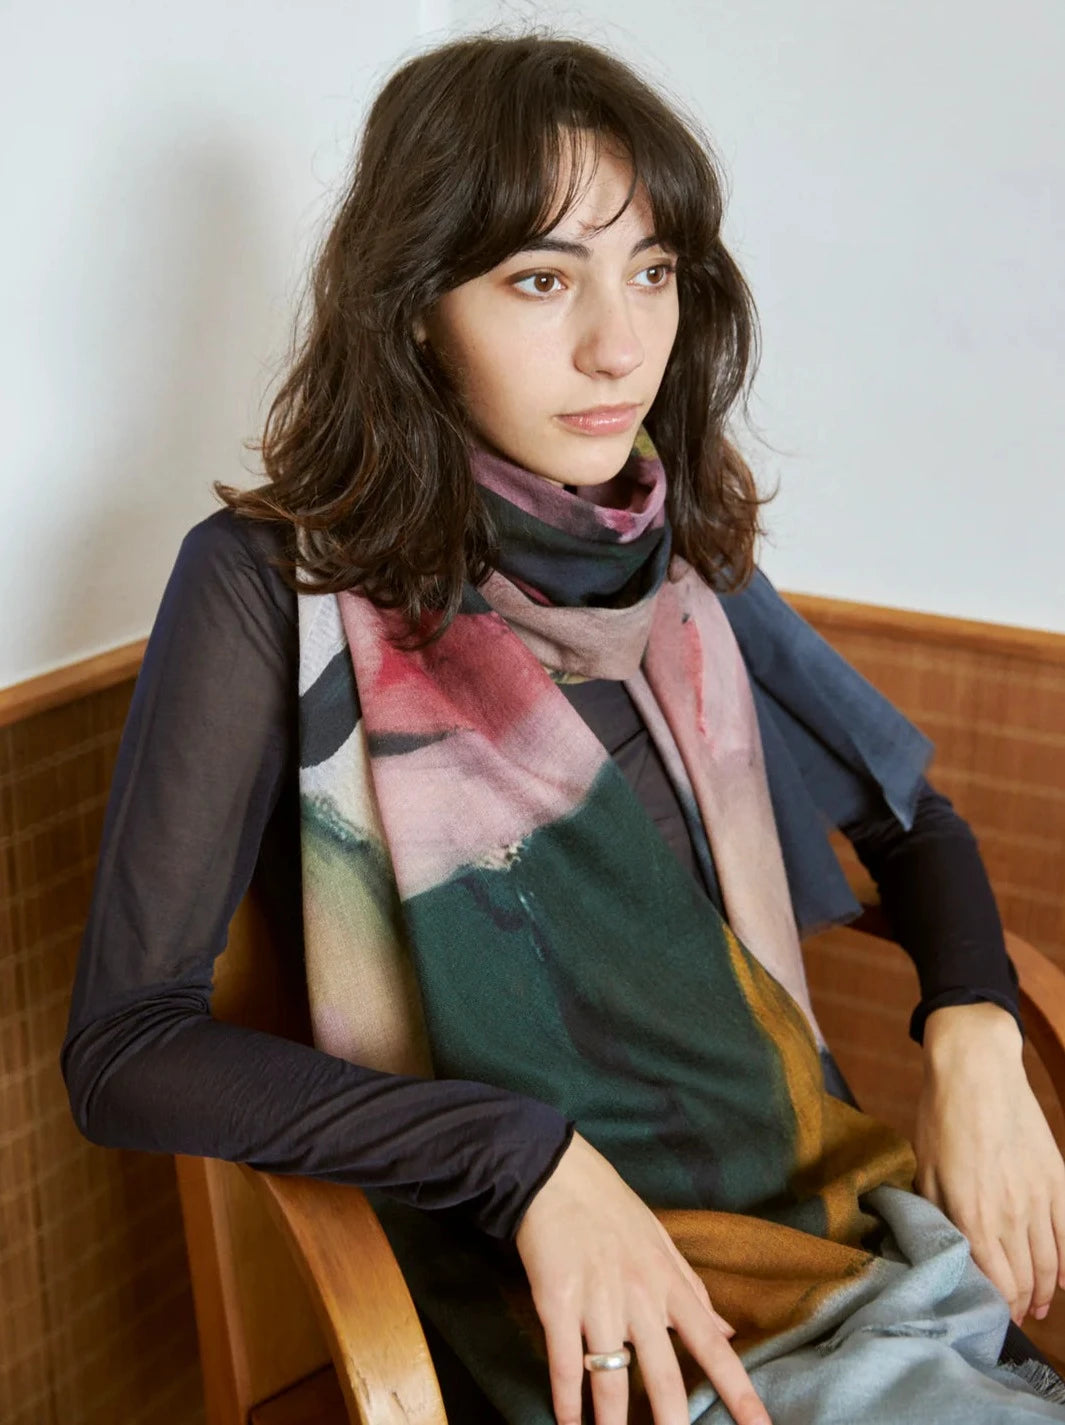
<point x="906" y="625"/>
<point x="67" y="684"/>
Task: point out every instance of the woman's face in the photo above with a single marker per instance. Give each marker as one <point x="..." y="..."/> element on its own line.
<point x="554" y="331"/>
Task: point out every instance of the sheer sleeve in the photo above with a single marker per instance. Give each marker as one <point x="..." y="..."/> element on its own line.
<point x="935" y="891"/>
<point x="203" y="786"/>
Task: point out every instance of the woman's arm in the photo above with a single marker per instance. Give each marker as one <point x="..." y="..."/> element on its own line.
<point x="935" y="892"/>
<point x="205" y="762"/>
<point x="985" y="1154"/>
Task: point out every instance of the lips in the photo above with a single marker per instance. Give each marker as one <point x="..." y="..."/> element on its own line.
<point x="601" y="420"/>
<point x="605" y="410"/>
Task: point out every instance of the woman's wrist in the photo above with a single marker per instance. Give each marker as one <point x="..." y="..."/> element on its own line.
<point x="958" y="1031"/>
<point x="542" y="1181"/>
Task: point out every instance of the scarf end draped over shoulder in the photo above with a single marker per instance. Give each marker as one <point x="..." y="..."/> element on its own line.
<point x="834" y="746"/>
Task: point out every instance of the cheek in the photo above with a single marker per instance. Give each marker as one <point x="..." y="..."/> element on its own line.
<point x="487" y="374"/>
<point x="508" y="368"/>
<point x="664" y="336"/>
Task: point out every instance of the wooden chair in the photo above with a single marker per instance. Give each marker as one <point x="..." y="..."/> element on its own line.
<point x="303" y="1315"/>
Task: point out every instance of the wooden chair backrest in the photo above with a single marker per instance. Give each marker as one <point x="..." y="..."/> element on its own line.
<point x="258" y="1331"/>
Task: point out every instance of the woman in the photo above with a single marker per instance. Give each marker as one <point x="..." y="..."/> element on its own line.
<point x="466" y="645"/>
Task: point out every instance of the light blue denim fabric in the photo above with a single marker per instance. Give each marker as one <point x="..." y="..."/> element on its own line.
<point x="916" y="1340"/>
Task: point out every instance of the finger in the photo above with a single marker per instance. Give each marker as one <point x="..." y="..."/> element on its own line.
<point x="702" y="1295"/>
<point x="661" y="1374"/>
<point x="1058" y="1218"/>
<point x="927" y="1185"/>
<point x="565" y="1359"/>
<point x="696" y="1282"/>
<point x="1018" y="1250"/>
<point x="610" y="1391"/>
<point x="990" y="1257"/>
<point x="1044" y="1250"/>
<point x="723" y="1367"/>
<point x="604" y="1331"/>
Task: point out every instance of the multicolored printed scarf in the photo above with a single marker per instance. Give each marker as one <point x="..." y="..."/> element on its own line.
<point x="486" y="899"/>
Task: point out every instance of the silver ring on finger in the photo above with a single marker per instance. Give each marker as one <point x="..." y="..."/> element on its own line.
<point x="608" y="1360"/>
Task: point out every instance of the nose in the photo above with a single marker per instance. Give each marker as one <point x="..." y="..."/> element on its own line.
<point x="608" y="343"/>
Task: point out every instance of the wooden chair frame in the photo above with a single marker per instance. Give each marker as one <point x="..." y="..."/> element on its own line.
<point x="367" y="1323"/>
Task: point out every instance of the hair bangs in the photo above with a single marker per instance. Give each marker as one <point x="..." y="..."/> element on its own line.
<point x="550" y="124"/>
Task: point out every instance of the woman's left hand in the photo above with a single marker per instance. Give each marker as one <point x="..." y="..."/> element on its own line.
<point x="986" y="1156"/>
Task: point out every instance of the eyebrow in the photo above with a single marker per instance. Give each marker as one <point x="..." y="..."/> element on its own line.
<point x="578" y="249"/>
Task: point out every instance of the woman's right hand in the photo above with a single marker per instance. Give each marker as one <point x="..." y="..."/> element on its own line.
<point x="603" y="1271"/>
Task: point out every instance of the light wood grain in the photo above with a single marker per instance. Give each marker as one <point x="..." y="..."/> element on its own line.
<point x="228" y="1391"/>
<point x="1042" y="1007"/>
<point x="917" y="628"/>
<point x="257" y="1328"/>
<point x="378" y="1347"/>
<point x="72" y="681"/>
<point x="256" y="1321"/>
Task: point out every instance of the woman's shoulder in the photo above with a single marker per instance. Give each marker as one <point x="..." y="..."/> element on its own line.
<point x="225" y="637"/>
<point x="228" y="556"/>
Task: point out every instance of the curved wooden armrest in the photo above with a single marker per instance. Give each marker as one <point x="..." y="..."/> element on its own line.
<point x="1042" y="1006"/>
<point x="1042" y="985"/>
<point x="374" y="1335"/>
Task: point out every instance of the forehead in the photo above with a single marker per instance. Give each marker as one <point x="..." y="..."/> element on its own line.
<point x="599" y="184"/>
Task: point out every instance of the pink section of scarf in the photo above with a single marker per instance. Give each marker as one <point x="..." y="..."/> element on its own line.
<point x="437" y="698"/>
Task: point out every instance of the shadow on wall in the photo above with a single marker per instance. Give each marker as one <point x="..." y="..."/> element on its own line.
<point x="172" y="290"/>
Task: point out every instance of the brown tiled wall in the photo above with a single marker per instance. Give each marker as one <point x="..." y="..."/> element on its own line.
<point x="96" y="1318"/>
<point x="95" y="1313"/>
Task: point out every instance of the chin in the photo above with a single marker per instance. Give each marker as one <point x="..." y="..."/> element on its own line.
<point x="596" y="459"/>
<point x="578" y="460"/>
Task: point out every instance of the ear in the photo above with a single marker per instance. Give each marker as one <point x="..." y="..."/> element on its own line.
<point x="421" y="336"/>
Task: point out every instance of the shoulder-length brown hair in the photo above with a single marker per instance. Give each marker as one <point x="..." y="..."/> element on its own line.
<point x="365" y="444"/>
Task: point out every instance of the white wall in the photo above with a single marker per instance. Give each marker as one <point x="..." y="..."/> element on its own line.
<point x="165" y="169"/>
<point x="897" y="203"/>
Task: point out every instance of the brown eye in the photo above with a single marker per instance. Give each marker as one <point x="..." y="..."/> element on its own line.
<point x="537" y="278"/>
<point x="663" y="271"/>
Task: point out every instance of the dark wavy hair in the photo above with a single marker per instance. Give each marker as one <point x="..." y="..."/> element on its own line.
<point x="365" y="445"/>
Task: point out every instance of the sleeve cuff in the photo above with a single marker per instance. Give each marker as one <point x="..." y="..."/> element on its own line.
<point x="966" y="996"/>
<point x="518" y="1216"/>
